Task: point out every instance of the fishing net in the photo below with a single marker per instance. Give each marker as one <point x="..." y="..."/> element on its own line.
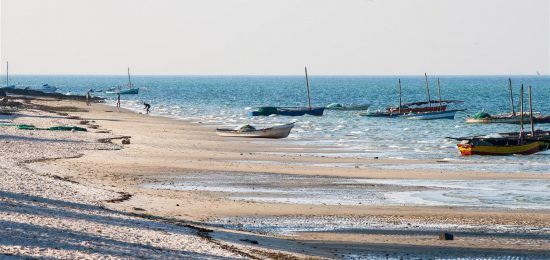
<point x="481" y="115"/>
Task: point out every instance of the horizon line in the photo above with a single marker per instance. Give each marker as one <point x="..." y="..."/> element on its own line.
<point x="287" y="75"/>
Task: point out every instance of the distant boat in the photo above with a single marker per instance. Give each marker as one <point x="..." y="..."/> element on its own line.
<point x="507" y="118"/>
<point x="423" y="110"/>
<point x="275" y="132"/>
<point x="130" y="91"/>
<point x="46" y="88"/>
<point x="447" y="114"/>
<point x="287" y="111"/>
<point x="350" y="107"/>
<point x="291" y="111"/>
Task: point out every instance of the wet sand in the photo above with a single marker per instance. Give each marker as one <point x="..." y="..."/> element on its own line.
<point x="163" y="149"/>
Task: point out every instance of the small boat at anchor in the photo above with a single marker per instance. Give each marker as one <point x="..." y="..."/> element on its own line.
<point x="248" y="131"/>
<point x="424" y="110"/>
<point x="129" y="91"/>
<point x="447" y="114"/>
<point x="350" y="107"/>
<point x="46" y="88"/>
<point x="291" y="111"/>
<point x="512" y="117"/>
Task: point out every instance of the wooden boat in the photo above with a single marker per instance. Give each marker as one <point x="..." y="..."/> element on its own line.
<point x="508" y="118"/>
<point x="288" y="111"/>
<point x="130" y="91"/>
<point x="379" y="114"/>
<point x="351" y="107"/>
<point x="479" y="147"/>
<point x="46" y="88"/>
<point x="508" y="143"/>
<point x="291" y="111"/>
<point x="448" y="114"/>
<point x="423" y="110"/>
<point x="275" y="132"/>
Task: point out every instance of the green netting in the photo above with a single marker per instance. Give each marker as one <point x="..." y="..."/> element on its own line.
<point x="267" y="110"/>
<point x="66" y="128"/>
<point x="481" y="115"/>
<point x="53" y="128"/>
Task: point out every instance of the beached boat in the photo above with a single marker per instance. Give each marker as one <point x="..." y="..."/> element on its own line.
<point x="46" y="88"/>
<point x="275" y="132"/>
<point x="291" y="111"/>
<point x="508" y="143"/>
<point x="487" y="147"/>
<point x="130" y="91"/>
<point x="350" y="107"/>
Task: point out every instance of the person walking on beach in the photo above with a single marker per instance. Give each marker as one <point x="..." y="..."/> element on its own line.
<point x="88" y="97"/>
<point x="118" y="101"/>
<point x="147" y="107"/>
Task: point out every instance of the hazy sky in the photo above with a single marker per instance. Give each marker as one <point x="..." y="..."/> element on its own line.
<point x="350" y="37"/>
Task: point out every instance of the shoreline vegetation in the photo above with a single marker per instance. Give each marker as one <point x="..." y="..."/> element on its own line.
<point x="69" y="194"/>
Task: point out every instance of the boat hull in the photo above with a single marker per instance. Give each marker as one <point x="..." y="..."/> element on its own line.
<point x="508" y="120"/>
<point x="348" y="108"/>
<point x="526" y="149"/>
<point x="132" y="91"/>
<point x="276" y="132"/>
<point x="315" y="111"/>
<point x="449" y="114"/>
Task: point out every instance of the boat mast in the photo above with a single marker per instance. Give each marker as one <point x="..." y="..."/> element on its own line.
<point x="399" y="84"/>
<point x="521" y="114"/>
<point x="511" y="96"/>
<point x="307" y="85"/>
<point x="428" y="90"/>
<point x="531" y="113"/>
<point x="129" y="81"/>
<point x="439" y="93"/>
<point x="7" y="69"/>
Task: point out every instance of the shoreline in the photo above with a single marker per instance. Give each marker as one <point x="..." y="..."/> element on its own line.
<point x="163" y="146"/>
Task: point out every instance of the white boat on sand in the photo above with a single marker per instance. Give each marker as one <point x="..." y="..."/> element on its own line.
<point x="275" y="132"/>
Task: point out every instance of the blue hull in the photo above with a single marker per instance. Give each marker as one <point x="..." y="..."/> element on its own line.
<point x="449" y="114"/>
<point x="315" y="111"/>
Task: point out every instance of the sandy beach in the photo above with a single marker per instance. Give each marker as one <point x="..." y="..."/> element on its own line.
<point x="178" y="190"/>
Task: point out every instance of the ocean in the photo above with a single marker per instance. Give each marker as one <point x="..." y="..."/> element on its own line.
<point x="226" y="101"/>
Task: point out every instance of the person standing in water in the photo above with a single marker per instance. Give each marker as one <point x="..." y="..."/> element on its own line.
<point x="118" y="101"/>
<point x="147" y="107"/>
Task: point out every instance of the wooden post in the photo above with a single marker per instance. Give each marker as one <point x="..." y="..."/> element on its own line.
<point x="399" y="84"/>
<point x="521" y="114"/>
<point x="531" y="113"/>
<point x="428" y="90"/>
<point x="511" y="96"/>
<point x="439" y="94"/>
<point x="307" y="85"/>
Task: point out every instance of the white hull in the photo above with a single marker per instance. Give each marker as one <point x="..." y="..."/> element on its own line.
<point x="279" y="131"/>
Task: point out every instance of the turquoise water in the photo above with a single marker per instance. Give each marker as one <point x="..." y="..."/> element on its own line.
<point x="225" y="100"/>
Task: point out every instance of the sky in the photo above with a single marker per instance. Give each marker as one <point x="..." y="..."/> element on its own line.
<point x="276" y="37"/>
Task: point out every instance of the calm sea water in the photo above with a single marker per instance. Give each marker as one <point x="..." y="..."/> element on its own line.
<point x="226" y="100"/>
